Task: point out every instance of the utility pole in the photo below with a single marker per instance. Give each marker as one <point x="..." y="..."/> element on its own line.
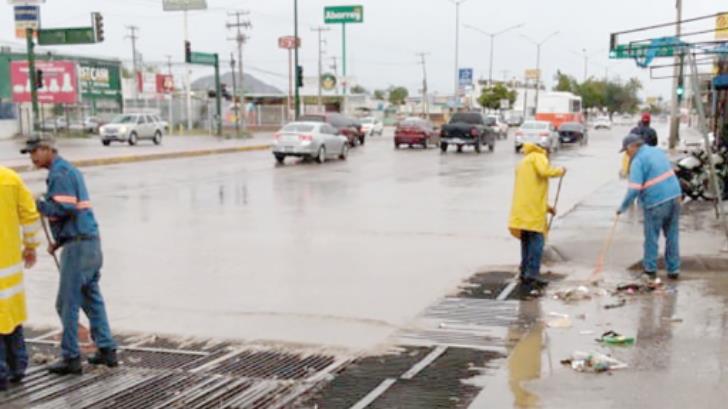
<point x="169" y="64"/>
<point x="586" y="64"/>
<point x="236" y="107"/>
<point x="240" y="38"/>
<point x="133" y="36"/>
<point x="171" y="96"/>
<point x="297" y="98"/>
<point x="335" y="67"/>
<point x="677" y="72"/>
<point x="425" y="99"/>
<point x="320" y="30"/>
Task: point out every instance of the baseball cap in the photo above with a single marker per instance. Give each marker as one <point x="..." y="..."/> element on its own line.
<point x="631" y="139"/>
<point x="35" y="143"/>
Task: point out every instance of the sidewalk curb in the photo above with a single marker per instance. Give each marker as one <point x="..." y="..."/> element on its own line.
<point x="152" y="157"/>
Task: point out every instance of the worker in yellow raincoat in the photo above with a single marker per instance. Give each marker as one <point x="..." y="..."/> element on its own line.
<point x="18" y="217"/>
<point x="528" y="221"/>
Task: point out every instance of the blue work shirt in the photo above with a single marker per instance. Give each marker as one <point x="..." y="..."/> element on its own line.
<point x="651" y="178"/>
<point x="67" y="205"/>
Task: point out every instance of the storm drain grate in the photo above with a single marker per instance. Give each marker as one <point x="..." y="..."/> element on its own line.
<point x="158" y="374"/>
<point x="273" y="365"/>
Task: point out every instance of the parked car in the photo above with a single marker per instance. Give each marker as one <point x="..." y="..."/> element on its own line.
<point x="467" y="129"/>
<point x="573" y="132"/>
<point x="515" y="120"/>
<point x="416" y="131"/>
<point x="315" y="140"/>
<point x="372" y="126"/>
<point x="131" y="128"/>
<point x="603" y="123"/>
<point x="55" y="124"/>
<point x="346" y="125"/>
<point x="498" y="126"/>
<point x="88" y="125"/>
<point x="539" y="132"/>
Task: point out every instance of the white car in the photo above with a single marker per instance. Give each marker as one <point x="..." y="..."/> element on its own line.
<point x="498" y="126"/>
<point x="131" y="128"/>
<point x="603" y="123"/>
<point x="372" y="126"/>
<point x="314" y="140"/>
<point x="542" y="133"/>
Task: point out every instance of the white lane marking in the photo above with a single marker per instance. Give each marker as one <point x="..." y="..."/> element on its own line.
<point x="425" y="362"/>
<point x="374" y="394"/>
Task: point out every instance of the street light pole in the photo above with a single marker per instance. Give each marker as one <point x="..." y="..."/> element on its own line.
<point x="674" y="104"/>
<point x="297" y="97"/>
<point x="538" y="61"/>
<point x="492" y="42"/>
<point x="457" y="4"/>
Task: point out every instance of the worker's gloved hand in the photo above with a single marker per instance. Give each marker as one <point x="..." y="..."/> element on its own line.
<point x="29" y="257"/>
<point x="619" y="212"/>
<point x="552" y="211"/>
<point x="563" y="170"/>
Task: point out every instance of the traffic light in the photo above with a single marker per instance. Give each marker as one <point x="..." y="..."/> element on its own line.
<point x="680" y="88"/>
<point x="299" y="76"/>
<point x="38" y="79"/>
<point x="98" y="22"/>
<point x="188" y="52"/>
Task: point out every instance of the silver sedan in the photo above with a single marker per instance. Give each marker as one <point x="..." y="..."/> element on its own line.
<point x="314" y="140"/>
<point x="541" y="133"/>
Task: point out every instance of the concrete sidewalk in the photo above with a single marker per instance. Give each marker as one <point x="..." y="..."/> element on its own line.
<point x="90" y="152"/>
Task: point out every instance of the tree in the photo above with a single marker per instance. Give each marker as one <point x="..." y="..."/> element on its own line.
<point x="491" y="97"/>
<point x="398" y="95"/>
<point x="379" y="95"/>
<point x="615" y="96"/>
<point x="358" y="89"/>
<point x="565" y="83"/>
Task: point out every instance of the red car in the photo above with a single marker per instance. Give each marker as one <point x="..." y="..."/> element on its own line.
<point x="416" y="131"/>
<point x="346" y="125"/>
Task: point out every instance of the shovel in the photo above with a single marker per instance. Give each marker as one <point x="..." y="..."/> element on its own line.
<point x="551" y="252"/>
<point x="83" y="332"/>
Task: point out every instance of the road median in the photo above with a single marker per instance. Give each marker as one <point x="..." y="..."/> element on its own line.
<point x="116" y="160"/>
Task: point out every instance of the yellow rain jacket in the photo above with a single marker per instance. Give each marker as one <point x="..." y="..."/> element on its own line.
<point x="530" y="195"/>
<point x="17" y="214"/>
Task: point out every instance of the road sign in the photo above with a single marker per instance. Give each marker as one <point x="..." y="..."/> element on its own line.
<point x="26" y="17"/>
<point x="182" y="5"/>
<point x="60" y="82"/>
<point x="465" y="77"/>
<point x="721" y="27"/>
<point x="533" y="74"/>
<point x="328" y="82"/>
<point x="288" y="42"/>
<point x="343" y="14"/>
<point x="203" y="58"/>
<point x="65" y="36"/>
<point x="641" y="50"/>
<point x="26" y="2"/>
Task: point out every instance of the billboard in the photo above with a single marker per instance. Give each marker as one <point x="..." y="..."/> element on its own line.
<point x="165" y="84"/>
<point x="182" y="5"/>
<point x="99" y="80"/>
<point x="465" y="77"/>
<point x="60" y="82"/>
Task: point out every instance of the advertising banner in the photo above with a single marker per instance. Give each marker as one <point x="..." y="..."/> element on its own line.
<point x="60" y="82"/>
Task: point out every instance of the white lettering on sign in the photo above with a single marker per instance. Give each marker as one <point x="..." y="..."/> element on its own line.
<point x="94" y="74"/>
<point x="355" y="14"/>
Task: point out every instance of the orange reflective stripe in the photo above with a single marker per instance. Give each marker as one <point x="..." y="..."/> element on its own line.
<point x="83" y="205"/>
<point x="654" y="181"/>
<point x="65" y="199"/>
<point x="635" y="186"/>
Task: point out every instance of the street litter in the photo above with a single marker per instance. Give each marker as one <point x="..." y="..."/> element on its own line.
<point x="573" y="294"/>
<point x="639" y="288"/>
<point x="613" y="338"/>
<point x="592" y="362"/>
<point x="621" y="303"/>
<point x="562" y="321"/>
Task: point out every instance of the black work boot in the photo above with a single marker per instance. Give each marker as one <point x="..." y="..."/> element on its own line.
<point x="66" y="367"/>
<point x="652" y="275"/>
<point x="104" y="356"/>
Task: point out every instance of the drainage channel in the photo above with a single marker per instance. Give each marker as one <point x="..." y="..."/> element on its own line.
<point x="168" y="373"/>
<point x="440" y="357"/>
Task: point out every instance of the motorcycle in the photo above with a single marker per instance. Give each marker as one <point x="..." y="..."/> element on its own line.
<point x="694" y="176"/>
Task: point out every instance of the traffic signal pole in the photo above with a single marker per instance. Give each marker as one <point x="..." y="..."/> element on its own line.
<point x="677" y="73"/>
<point x="29" y="33"/>
<point x="297" y="97"/>
<point x="218" y="97"/>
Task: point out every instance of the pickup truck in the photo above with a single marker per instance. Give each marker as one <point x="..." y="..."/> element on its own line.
<point x="467" y="128"/>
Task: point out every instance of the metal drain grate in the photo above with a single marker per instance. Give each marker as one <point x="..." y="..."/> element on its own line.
<point x="155" y="373"/>
<point x="273" y="365"/>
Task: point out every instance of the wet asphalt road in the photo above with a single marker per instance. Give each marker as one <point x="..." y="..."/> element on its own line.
<point x="340" y="254"/>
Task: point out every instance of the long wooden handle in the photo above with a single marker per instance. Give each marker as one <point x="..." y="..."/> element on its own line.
<point x="556" y="201"/>
<point x="599" y="267"/>
<point x="44" y="223"/>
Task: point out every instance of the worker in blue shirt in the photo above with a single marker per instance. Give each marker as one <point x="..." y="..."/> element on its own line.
<point x="68" y="208"/>
<point x="652" y="180"/>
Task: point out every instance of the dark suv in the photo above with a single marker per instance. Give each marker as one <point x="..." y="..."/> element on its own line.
<point x="467" y="129"/>
<point x="346" y="125"/>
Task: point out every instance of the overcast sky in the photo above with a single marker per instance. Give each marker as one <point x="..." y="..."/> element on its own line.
<point x="382" y="50"/>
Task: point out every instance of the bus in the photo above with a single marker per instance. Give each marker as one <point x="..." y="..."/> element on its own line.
<point x="559" y="107"/>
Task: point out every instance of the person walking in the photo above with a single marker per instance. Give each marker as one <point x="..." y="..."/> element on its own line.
<point x="652" y="180"/>
<point x="643" y="129"/>
<point x="18" y="214"/>
<point x="74" y="228"/>
<point x="528" y="219"/>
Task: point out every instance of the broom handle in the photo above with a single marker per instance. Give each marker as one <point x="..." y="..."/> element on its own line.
<point x="556" y="201"/>
<point x="44" y="223"/>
